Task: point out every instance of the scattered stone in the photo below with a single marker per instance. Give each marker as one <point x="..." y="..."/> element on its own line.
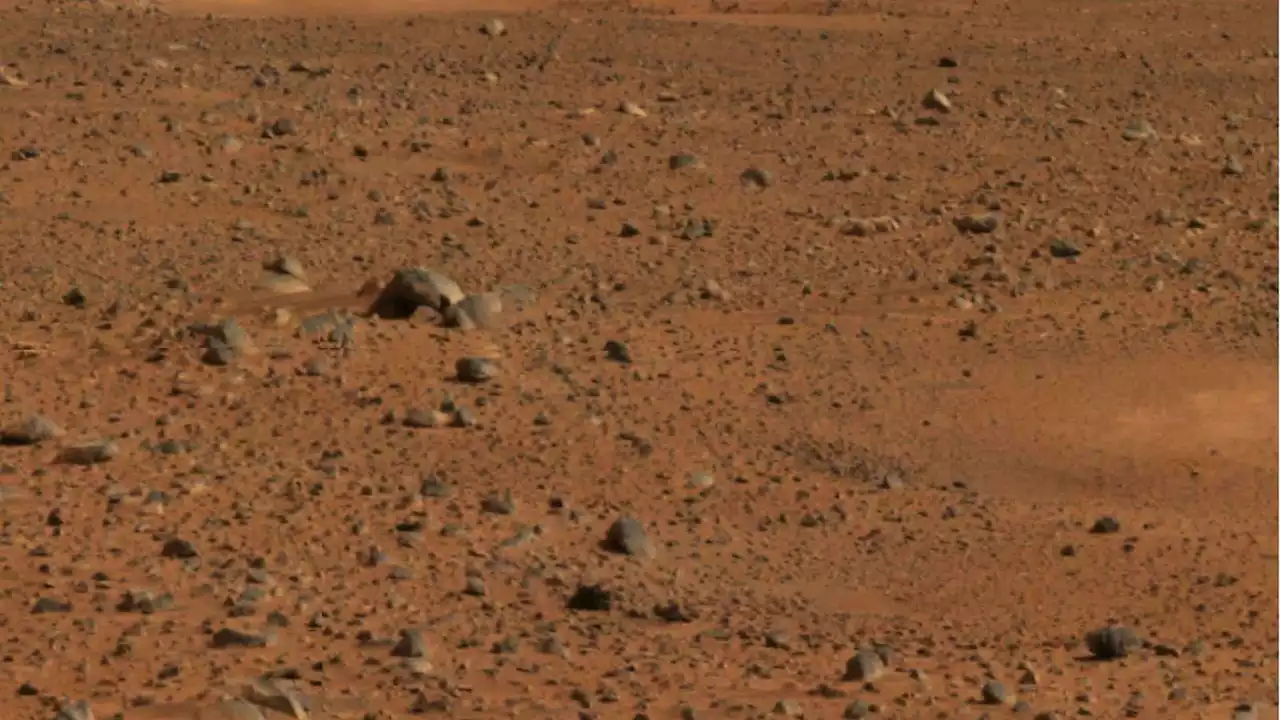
<point x="592" y="598"/>
<point x="78" y="710"/>
<point x="1063" y="249"/>
<point x="225" y="341"/>
<point x="412" y="288"/>
<point x="8" y="79"/>
<point x="626" y="107"/>
<point x="627" y="536"/>
<point x="33" y="430"/>
<point x="788" y="708"/>
<point x="936" y="100"/>
<point x="274" y="694"/>
<point x="479" y="310"/>
<point x="179" y="549"/>
<point x="993" y="693"/>
<point x="144" y="602"/>
<point x="419" y="418"/>
<point x="1105" y="525"/>
<point x="617" y="351"/>
<point x="977" y="224"/>
<point x="684" y="160"/>
<point x="232" y="638"/>
<point x="866" y="227"/>
<point x="475" y="370"/>
<point x="1140" y="131"/>
<point x="857" y="710"/>
<point x="865" y="666"/>
<point x="89" y="453"/>
<point x="1233" y="166"/>
<point x="1112" y="642"/>
<point x="47" y="605"/>
<point x="756" y="178"/>
<point x="410" y="645"/>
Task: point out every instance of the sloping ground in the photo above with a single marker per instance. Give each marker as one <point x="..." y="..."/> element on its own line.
<point x="953" y="377"/>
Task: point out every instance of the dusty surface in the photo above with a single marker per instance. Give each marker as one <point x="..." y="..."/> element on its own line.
<point x="954" y="385"/>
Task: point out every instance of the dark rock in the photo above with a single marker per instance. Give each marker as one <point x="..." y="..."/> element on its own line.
<point x="475" y="370"/>
<point x="865" y="666"/>
<point x="1105" y="525"/>
<point x="46" y="605"/>
<point x="179" y="549"/>
<point x="412" y="288"/>
<point x="33" y="430"/>
<point x="627" y="536"/>
<point x="592" y="598"/>
<point x="410" y="645"/>
<point x="1112" y="642"/>
<point x="993" y="693"/>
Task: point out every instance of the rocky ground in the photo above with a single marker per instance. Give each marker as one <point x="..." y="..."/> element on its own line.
<point x="890" y="360"/>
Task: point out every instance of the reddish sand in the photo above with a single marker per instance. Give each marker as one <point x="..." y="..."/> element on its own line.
<point x="940" y="330"/>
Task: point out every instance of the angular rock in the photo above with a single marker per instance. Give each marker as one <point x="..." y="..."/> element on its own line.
<point x="89" y="453"/>
<point x="479" y="310"/>
<point x="281" y="283"/>
<point x="412" y="288"/>
<point x="936" y="100"/>
<point x="232" y="638"/>
<point x="274" y="694"/>
<point x="410" y="645"/>
<point x="627" y="536"/>
<point x="33" y="430"/>
<point x="78" y="710"/>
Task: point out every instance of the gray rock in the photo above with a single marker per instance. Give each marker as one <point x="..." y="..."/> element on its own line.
<point x="78" y="710"/>
<point x="412" y="288"/>
<point x="33" y="430"/>
<point x="977" y="224"/>
<point x="225" y="341"/>
<point x="275" y="694"/>
<point x="145" y="602"/>
<point x="1112" y="642"/>
<point x="993" y="693"/>
<point x="475" y="311"/>
<point x="865" y="666"/>
<point x="89" y="453"/>
<point x="411" y="645"/>
<point x="45" y="605"/>
<point x="788" y="708"/>
<point x="627" y="536"/>
<point x="476" y="370"/>
<point x="499" y="504"/>
<point x="232" y="638"/>
<point x="857" y="710"/>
